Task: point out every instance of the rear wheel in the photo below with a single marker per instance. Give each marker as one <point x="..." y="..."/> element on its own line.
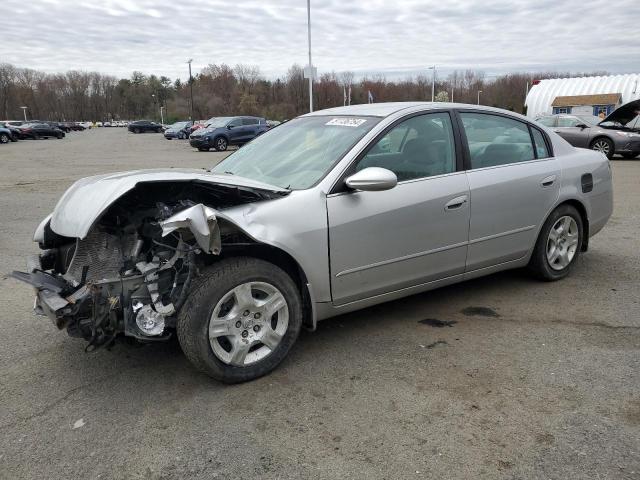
<point x="136" y="130"/>
<point x="558" y="245"/>
<point x="604" y="145"/>
<point x="4" y="138"/>
<point x="240" y="320"/>
<point x="221" y="144"/>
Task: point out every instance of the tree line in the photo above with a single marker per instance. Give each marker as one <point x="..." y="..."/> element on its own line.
<point x="220" y="90"/>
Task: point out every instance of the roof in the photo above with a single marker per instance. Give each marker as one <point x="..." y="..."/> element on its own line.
<point x="542" y="95"/>
<point x="389" y="108"/>
<point x="599" y="99"/>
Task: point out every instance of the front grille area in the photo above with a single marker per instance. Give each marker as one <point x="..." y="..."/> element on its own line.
<point x="102" y="253"/>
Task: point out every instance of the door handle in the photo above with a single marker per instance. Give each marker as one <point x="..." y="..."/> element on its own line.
<point x="456" y="203"/>
<point x="548" y="181"/>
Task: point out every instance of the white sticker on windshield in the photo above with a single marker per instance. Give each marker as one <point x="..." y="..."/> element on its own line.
<point x="346" y="122"/>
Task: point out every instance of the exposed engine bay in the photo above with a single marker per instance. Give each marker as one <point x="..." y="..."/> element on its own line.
<point x="132" y="272"/>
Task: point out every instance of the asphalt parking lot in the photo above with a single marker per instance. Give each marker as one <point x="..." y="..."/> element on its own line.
<point x="501" y="377"/>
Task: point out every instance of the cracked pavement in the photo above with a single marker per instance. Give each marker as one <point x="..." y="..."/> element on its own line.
<point x="502" y="377"/>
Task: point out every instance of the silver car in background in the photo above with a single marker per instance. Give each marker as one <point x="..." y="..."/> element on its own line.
<point x="331" y="212"/>
<point x="608" y="136"/>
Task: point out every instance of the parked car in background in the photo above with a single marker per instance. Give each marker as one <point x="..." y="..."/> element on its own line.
<point x="13" y="123"/>
<point x="40" y="130"/>
<point x="224" y="131"/>
<point x="179" y="130"/>
<point x="329" y="213"/>
<point x="6" y="135"/>
<point x="273" y="123"/>
<point x="587" y="131"/>
<point x="14" y="131"/>
<point x="143" y="126"/>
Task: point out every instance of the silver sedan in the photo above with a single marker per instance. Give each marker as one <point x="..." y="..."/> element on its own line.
<point x="328" y="213"/>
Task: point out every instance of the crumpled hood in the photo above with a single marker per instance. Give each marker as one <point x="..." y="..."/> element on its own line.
<point x="87" y="199"/>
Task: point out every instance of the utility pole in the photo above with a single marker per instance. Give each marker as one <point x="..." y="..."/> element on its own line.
<point x="161" y="114"/>
<point x="310" y="63"/>
<point x="433" y="84"/>
<point x="479" y="92"/>
<point x="190" y="90"/>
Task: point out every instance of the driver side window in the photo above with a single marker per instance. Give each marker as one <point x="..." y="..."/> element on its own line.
<point x="418" y="147"/>
<point x="237" y="122"/>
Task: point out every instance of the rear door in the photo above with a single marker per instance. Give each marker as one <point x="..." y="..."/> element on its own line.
<point x="235" y="131"/>
<point x="250" y="127"/>
<point x="512" y="186"/>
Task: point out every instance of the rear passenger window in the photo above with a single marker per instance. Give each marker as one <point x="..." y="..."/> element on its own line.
<point x="541" y="146"/>
<point x="565" y="122"/>
<point x="494" y="140"/>
<point x="249" y="121"/>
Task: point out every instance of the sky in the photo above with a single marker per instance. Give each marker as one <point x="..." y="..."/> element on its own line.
<point x="393" y="37"/>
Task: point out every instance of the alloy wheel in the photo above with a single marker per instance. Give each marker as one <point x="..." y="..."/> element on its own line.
<point x="248" y="323"/>
<point x="602" y="146"/>
<point x="4" y="138"/>
<point x="562" y="242"/>
<point x="221" y="144"/>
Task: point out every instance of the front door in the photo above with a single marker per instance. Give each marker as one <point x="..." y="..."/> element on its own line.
<point x="414" y="233"/>
<point x="567" y="128"/>
<point x="513" y="183"/>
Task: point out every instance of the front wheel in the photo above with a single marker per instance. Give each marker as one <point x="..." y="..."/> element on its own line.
<point x="4" y="138"/>
<point x="558" y="245"/>
<point x="240" y="320"/>
<point x="604" y="145"/>
<point x="221" y="144"/>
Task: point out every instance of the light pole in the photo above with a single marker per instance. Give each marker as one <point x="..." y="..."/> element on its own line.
<point x="190" y="90"/>
<point x="479" y="92"/>
<point x="161" y="114"/>
<point x="433" y="84"/>
<point x="24" y="112"/>
<point x="310" y="64"/>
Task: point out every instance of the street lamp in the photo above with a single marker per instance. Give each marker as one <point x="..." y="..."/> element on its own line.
<point x="479" y="92"/>
<point x="433" y="84"/>
<point x="190" y="90"/>
<point x="161" y="114"/>
<point x="310" y="63"/>
<point x="24" y="112"/>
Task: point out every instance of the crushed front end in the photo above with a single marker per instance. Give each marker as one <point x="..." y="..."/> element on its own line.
<point x="130" y="275"/>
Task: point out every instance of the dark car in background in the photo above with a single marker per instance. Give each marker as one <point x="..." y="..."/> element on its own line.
<point x="221" y="132"/>
<point x="179" y="130"/>
<point x="5" y="135"/>
<point x="40" y="130"/>
<point x="14" y="132"/>
<point x="143" y="126"/>
<point x="619" y="133"/>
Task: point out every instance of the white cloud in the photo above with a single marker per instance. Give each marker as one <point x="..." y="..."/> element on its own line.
<point x="399" y="36"/>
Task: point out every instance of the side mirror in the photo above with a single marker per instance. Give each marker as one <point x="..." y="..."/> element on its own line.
<point x="582" y="126"/>
<point x="229" y="127"/>
<point x="372" y="179"/>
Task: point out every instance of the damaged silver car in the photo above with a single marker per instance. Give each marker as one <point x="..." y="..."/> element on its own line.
<point x="331" y="212"/>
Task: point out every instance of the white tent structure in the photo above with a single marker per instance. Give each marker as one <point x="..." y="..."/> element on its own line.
<point x="541" y="97"/>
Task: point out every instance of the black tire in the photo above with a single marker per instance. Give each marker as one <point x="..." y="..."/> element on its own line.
<point x="59" y="136"/>
<point x="4" y="138"/>
<point x="181" y="136"/>
<point x="629" y="155"/>
<point x="207" y="290"/>
<point x="539" y="264"/>
<point x="136" y="130"/>
<point x="220" y="144"/>
<point x="604" y="145"/>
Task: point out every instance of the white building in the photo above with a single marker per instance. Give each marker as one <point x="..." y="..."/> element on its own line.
<point x="582" y="95"/>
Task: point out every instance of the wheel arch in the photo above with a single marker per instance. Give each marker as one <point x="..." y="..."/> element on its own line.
<point x="582" y="210"/>
<point x="286" y="262"/>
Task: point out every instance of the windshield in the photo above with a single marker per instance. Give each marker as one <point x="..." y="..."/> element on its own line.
<point x="179" y="125"/>
<point x="590" y="119"/>
<point x="218" y="122"/>
<point x="298" y="153"/>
